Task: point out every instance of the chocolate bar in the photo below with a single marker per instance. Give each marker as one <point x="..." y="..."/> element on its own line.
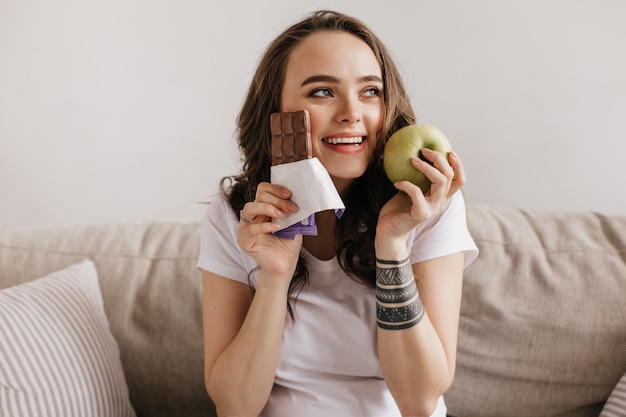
<point x="291" y="142"/>
<point x="291" y="136"/>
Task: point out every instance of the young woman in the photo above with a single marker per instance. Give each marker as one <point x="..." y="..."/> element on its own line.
<point x="361" y="319"/>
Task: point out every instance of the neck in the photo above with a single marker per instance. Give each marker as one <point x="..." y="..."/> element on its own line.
<point x="341" y="184"/>
<point x="323" y="245"/>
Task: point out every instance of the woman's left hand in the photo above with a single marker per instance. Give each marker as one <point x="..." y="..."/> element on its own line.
<point x="411" y="206"/>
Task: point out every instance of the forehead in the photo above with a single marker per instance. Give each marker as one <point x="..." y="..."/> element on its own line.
<point x="332" y="53"/>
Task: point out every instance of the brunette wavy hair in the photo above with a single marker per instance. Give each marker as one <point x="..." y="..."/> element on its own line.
<point x="354" y="234"/>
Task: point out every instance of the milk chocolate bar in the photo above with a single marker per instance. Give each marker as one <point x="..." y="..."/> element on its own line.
<point x="291" y="136"/>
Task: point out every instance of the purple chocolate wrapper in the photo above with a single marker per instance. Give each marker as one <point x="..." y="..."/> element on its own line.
<point x="308" y="227"/>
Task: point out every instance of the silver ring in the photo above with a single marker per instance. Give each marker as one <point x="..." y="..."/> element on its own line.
<point x="244" y="218"/>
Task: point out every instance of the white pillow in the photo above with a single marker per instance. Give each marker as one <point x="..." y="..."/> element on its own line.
<point x="615" y="406"/>
<point x="57" y="354"/>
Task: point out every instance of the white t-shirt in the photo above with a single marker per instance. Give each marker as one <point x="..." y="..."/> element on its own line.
<point x="329" y="363"/>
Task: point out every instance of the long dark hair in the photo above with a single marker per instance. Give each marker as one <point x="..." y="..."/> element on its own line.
<point x="355" y="231"/>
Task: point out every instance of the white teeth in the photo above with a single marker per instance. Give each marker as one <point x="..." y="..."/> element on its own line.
<point x="334" y="141"/>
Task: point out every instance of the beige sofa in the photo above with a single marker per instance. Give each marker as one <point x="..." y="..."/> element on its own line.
<point x="542" y="333"/>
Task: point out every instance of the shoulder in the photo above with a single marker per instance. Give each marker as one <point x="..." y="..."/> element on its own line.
<point x="219" y="215"/>
<point x="219" y="252"/>
<point x="218" y="228"/>
<point x="220" y="206"/>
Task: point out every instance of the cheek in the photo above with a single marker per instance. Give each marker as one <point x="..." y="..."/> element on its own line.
<point x="315" y="132"/>
<point x="376" y="122"/>
<point x="316" y="123"/>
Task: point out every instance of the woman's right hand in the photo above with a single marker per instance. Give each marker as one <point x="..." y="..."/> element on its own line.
<point x="275" y="256"/>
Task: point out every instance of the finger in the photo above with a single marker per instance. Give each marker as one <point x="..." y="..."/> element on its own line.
<point x="272" y="189"/>
<point x="276" y="195"/>
<point x="248" y="234"/>
<point x="440" y="187"/>
<point x="252" y="230"/>
<point x="440" y="183"/>
<point x="244" y="218"/>
<point x="459" y="178"/>
<point x="257" y="212"/>
<point x="412" y="191"/>
<point x="438" y="161"/>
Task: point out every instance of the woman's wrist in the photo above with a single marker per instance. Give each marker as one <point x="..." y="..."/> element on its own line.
<point x="391" y="249"/>
<point x="272" y="283"/>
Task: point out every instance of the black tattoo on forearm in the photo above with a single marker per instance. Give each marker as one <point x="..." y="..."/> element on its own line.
<point x="398" y="305"/>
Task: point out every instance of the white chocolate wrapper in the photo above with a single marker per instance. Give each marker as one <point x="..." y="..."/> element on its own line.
<point x="311" y="189"/>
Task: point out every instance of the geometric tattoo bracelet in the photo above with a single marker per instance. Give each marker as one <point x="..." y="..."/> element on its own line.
<point x="398" y="305"/>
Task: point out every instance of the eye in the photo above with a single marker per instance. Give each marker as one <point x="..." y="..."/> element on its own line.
<point x="372" y="92"/>
<point x="321" y="92"/>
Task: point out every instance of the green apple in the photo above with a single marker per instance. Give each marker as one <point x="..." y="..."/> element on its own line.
<point x="408" y="142"/>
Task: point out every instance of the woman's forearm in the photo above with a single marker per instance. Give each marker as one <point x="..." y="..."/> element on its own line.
<point x="415" y="367"/>
<point x="415" y="364"/>
<point x="241" y="380"/>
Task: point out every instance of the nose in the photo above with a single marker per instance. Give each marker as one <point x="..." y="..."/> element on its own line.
<point x="349" y="110"/>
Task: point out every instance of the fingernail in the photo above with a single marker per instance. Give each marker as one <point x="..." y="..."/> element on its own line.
<point x="285" y="193"/>
<point x="292" y="206"/>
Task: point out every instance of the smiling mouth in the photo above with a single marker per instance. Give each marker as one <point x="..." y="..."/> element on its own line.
<point x="344" y="141"/>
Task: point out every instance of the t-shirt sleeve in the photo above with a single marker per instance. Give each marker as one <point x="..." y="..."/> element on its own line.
<point x="219" y="252"/>
<point x="445" y="234"/>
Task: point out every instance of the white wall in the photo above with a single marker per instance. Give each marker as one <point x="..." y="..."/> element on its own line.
<point x="124" y="110"/>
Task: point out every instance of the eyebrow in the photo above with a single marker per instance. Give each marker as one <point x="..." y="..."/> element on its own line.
<point x="331" y="79"/>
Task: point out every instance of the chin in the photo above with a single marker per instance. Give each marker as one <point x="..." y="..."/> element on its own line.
<point x="347" y="172"/>
<point x="344" y="177"/>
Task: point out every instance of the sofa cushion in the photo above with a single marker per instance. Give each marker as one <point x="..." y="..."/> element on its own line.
<point x="152" y="297"/>
<point x="543" y="324"/>
<point x="57" y="354"/>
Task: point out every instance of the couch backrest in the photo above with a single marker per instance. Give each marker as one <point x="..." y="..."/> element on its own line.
<point x="543" y="323"/>
<point x="542" y="331"/>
